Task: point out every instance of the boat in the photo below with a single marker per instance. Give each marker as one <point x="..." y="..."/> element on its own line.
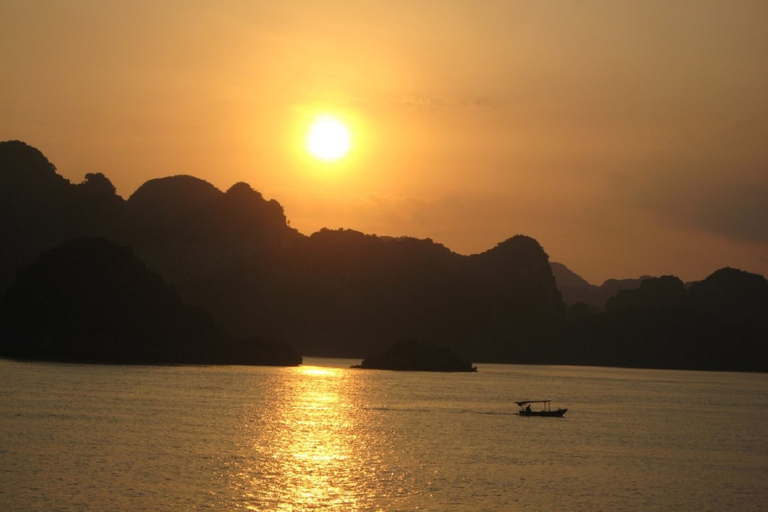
<point x="545" y="410"/>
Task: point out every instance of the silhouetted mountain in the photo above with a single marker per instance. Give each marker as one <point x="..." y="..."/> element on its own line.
<point x="92" y="300"/>
<point x="339" y="293"/>
<point x="40" y="209"/>
<point x="655" y="293"/>
<point x="26" y="172"/>
<point x="345" y="293"/>
<point x="184" y="226"/>
<point x="720" y="323"/>
<point x="413" y="356"/>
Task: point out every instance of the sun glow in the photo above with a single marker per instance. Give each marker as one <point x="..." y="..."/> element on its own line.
<point x="328" y="139"/>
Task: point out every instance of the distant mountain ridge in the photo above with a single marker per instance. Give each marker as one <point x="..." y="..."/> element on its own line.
<point x="719" y="323"/>
<point x="575" y="289"/>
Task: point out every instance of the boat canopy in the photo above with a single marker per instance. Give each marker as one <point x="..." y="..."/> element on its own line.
<point x="526" y="402"/>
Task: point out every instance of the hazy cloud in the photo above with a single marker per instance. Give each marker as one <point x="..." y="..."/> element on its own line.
<point x="717" y="181"/>
<point x="441" y="102"/>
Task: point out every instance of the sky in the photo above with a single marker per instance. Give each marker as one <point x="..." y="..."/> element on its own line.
<point x="629" y="138"/>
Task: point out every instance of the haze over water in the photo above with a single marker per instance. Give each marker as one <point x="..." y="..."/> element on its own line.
<point x="326" y="437"/>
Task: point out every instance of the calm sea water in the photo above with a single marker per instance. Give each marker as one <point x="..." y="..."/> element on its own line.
<point x="324" y="437"/>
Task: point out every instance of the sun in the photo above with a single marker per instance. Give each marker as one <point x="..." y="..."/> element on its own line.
<point x="328" y="139"/>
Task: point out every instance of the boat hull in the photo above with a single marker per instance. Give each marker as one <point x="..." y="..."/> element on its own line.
<point x="553" y="414"/>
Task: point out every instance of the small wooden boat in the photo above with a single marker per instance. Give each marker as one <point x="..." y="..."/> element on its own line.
<point x="546" y="409"/>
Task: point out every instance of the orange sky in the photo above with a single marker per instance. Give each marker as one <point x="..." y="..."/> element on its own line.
<point x="627" y="137"/>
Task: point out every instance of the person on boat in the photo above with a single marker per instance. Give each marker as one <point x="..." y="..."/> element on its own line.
<point x="528" y="409"/>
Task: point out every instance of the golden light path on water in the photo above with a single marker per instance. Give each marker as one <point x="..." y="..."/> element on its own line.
<point x="312" y="452"/>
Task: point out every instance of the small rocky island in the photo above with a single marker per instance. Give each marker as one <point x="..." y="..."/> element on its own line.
<point x="413" y="356"/>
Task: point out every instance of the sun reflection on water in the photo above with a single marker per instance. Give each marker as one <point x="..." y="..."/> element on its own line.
<point x="310" y="453"/>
